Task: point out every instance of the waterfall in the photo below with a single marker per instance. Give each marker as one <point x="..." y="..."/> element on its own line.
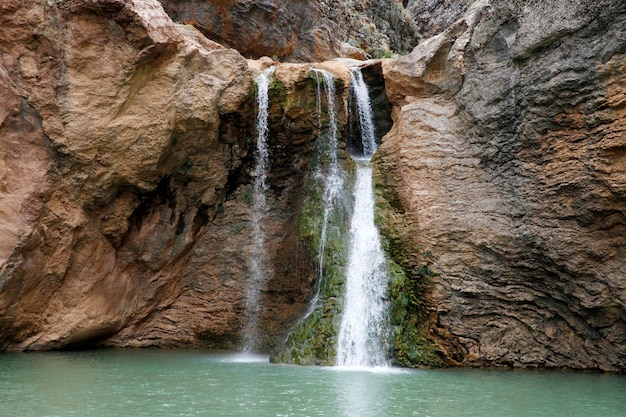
<point x="365" y="117"/>
<point x="256" y="279"/>
<point x="363" y="334"/>
<point x="329" y="171"/>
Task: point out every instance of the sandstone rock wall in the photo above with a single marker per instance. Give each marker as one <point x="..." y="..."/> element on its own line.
<point x="507" y="156"/>
<point x="126" y="148"/>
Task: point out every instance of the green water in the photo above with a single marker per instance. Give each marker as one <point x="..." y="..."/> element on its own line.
<point x="195" y="383"/>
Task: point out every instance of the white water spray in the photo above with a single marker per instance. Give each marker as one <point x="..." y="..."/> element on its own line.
<point x="256" y="280"/>
<point x="366" y="118"/>
<point x="363" y="335"/>
<point x="329" y="171"/>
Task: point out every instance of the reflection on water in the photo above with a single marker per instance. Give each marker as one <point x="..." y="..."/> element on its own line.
<point x="357" y="396"/>
<point x="243" y="357"/>
<point x="195" y="383"/>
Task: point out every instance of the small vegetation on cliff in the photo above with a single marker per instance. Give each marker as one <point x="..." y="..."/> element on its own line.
<point x="382" y="53"/>
<point x="314" y="340"/>
<point x="247" y="196"/>
<point x="409" y="279"/>
<point x="278" y="91"/>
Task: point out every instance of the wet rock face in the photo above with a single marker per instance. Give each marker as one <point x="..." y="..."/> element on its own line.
<point x="507" y="155"/>
<point x="300" y="31"/>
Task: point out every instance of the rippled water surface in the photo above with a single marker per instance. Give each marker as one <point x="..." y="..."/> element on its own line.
<point x="196" y="383"/>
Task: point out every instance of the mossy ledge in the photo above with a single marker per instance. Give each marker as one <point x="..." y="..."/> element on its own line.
<point x="314" y="340"/>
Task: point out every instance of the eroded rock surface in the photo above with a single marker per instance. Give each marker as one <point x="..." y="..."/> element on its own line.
<point x="507" y="158"/>
<point x="127" y="144"/>
<point x="301" y="30"/>
<point x="434" y="16"/>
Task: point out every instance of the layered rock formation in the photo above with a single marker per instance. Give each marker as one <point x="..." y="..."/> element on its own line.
<point x="301" y="30"/>
<point x="507" y="158"/>
<point x="434" y="16"/>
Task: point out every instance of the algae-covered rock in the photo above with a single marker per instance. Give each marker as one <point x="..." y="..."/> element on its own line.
<point x="323" y="226"/>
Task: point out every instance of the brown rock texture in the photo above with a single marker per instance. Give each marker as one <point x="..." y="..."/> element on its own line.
<point x="507" y="161"/>
<point x="127" y="142"/>
<point x="25" y="157"/>
<point x="300" y="30"/>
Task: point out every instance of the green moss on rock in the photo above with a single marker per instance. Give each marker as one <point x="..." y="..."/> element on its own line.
<point x="314" y="339"/>
<point x="409" y="280"/>
<point x="277" y="90"/>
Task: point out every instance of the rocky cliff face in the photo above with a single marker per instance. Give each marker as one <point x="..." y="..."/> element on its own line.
<point x="301" y="30"/>
<point x="126" y="149"/>
<point x="507" y="157"/>
<point x="434" y="16"/>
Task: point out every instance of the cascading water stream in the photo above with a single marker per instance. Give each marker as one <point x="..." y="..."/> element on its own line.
<point x="256" y="279"/>
<point x="329" y="172"/>
<point x="366" y="117"/>
<point x="363" y="334"/>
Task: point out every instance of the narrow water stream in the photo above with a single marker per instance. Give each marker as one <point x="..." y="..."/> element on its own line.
<point x="256" y="280"/>
<point x="328" y="172"/>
